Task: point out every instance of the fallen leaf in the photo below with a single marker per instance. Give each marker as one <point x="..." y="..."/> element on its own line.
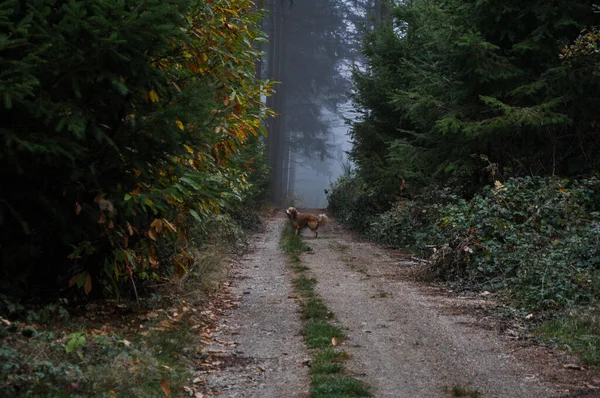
<point x="334" y="341"/>
<point x="292" y="296"/>
<point x="127" y="343"/>
<point x="179" y="124"/>
<point x="164" y="385"/>
<point x="198" y="380"/>
<point x="572" y="366"/>
<point x="260" y="368"/>
<point x="77" y="208"/>
<point x="199" y="395"/>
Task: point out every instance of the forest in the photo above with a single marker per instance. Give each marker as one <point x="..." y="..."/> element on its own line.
<point x="139" y="141"/>
<point x="477" y="147"/>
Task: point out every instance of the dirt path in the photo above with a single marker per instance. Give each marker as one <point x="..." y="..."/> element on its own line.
<point x="400" y="340"/>
<point x="262" y="337"/>
<point x="403" y="341"/>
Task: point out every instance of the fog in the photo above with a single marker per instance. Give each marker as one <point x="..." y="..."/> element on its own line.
<point x="311" y="49"/>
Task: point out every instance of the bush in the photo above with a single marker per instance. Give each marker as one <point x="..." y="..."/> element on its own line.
<point x="351" y="203"/>
<point x="538" y="238"/>
<point x="122" y="127"/>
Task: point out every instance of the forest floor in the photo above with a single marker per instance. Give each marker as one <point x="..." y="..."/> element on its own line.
<point x="403" y="338"/>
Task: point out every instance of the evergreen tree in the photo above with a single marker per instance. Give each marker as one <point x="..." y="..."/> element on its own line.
<point x="460" y="89"/>
<point x="116" y="121"/>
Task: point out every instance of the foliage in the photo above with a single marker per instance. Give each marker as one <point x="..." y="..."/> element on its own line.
<point x="535" y="237"/>
<point x="351" y="202"/>
<point x="122" y="127"/>
<point x="577" y="333"/>
<point x="470" y="92"/>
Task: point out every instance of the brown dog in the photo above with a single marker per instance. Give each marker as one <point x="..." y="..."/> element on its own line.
<point x="300" y="220"/>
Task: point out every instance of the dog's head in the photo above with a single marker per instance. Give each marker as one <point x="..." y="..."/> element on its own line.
<point x="291" y="212"/>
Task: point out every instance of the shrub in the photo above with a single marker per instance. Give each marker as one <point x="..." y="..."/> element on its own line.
<point x="122" y="127"/>
<point x="538" y="238"/>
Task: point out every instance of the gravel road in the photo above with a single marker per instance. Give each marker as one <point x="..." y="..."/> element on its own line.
<point x="401" y="340"/>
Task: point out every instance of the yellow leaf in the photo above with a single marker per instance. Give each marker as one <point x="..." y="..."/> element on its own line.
<point x="153" y="96"/>
<point x="87" y="287"/>
<point x="189" y="149"/>
<point x="164" y="385"/>
<point x="179" y="124"/>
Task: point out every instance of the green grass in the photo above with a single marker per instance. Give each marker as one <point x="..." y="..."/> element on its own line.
<point x="579" y="334"/>
<point x="330" y="386"/>
<point x="328" y="375"/>
<point x="314" y="308"/>
<point x="299" y="268"/>
<point x="304" y="286"/>
<point x="328" y="361"/>
<point x="459" y="391"/>
<point x="293" y="245"/>
<point x="318" y="334"/>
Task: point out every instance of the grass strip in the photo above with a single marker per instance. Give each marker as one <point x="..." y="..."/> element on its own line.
<point x="576" y="333"/>
<point x="328" y="376"/>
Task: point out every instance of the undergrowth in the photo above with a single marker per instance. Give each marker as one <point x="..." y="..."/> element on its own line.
<point x="534" y="240"/>
<point x="110" y="348"/>
<point x="328" y="376"/>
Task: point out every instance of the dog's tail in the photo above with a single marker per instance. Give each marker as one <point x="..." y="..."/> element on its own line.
<point x="323" y="219"/>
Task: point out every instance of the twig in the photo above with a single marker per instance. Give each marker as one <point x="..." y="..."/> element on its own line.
<point x="137" y="298"/>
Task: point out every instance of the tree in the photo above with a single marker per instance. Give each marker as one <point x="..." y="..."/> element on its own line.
<point x="468" y="91"/>
<point x="117" y="125"/>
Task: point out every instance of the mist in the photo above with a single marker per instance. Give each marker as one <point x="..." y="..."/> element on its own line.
<point x="312" y="46"/>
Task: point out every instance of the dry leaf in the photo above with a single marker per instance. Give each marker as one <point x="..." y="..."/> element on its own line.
<point x="572" y="366"/>
<point x="74" y="279"/>
<point x="334" y="341"/>
<point x="171" y="226"/>
<point x="77" y="208"/>
<point x="179" y="124"/>
<point x="199" y="395"/>
<point x="87" y="287"/>
<point x="198" y="380"/>
<point x="164" y="385"/>
<point x="260" y="368"/>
